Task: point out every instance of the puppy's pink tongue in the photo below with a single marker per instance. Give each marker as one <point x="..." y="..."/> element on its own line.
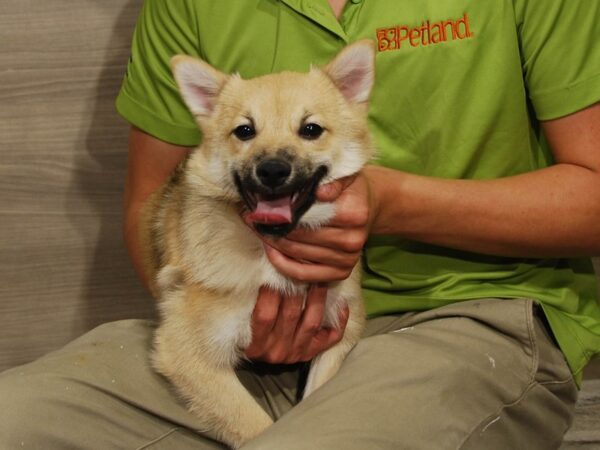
<point x="272" y="211"/>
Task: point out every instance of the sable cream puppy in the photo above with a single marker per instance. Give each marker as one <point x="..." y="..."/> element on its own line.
<point x="268" y="143"/>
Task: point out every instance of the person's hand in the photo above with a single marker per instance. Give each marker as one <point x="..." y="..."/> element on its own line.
<point x="330" y="252"/>
<point x="285" y="333"/>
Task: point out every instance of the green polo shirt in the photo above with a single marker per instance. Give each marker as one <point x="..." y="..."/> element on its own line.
<point x="460" y="88"/>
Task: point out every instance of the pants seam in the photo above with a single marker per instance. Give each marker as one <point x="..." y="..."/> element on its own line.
<point x="529" y="387"/>
<point x="532" y="339"/>
<point x="158" y="439"/>
<point x="545" y="383"/>
<point x="531" y="383"/>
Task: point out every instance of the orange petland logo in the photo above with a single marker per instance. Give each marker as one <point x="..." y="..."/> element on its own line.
<point x="393" y="38"/>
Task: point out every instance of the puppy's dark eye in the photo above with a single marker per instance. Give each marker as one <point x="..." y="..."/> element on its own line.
<point x="244" y="132"/>
<point x="310" y="131"/>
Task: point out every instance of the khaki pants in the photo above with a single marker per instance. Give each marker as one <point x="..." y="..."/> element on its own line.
<point x="480" y="375"/>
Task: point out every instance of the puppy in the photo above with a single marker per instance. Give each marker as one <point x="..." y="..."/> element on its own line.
<point x="268" y="143"/>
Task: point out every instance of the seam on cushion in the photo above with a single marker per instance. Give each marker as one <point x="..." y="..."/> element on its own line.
<point x="158" y="439"/>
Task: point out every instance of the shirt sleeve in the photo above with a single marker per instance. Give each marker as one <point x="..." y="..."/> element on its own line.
<point x="560" y="51"/>
<point x="149" y="98"/>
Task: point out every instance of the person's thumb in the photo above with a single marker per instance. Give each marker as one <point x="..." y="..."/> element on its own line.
<point x="331" y="191"/>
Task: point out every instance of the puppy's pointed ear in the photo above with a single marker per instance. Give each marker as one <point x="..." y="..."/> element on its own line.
<point x="353" y="70"/>
<point x="199" y="83"/>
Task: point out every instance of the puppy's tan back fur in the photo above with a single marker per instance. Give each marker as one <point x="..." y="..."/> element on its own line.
<point x="206" y="266"/>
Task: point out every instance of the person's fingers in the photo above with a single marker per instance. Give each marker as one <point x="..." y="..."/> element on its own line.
<point x="326" y="338"/>
<point x="280" y="344"/>
<point x="312" y="317"/>
<point x="305" y="272"/>
<point x="264" y="318"/>
<point x="349" y="240"/>
<point x="331" y="191"/>
<point x="337" y="333"/>
<point x="287" y="329"/>
<point x="316" y="254"/>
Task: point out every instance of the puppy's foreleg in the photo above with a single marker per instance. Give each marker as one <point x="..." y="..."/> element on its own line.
<point x="197" y="353"/>
<point x="224" y="408"/>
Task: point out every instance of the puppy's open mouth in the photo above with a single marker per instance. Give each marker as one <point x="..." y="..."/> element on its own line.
<point x="277" y="213"/>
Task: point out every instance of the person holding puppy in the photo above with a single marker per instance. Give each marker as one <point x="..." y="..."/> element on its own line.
<point x="473" y="223"/>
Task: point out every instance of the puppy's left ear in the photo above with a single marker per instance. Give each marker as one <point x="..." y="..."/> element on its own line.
<point x="353" y="70"/>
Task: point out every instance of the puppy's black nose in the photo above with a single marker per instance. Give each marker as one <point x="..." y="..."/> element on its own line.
<point x="273" y="172"/>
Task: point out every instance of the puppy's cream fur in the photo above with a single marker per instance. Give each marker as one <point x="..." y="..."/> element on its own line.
<point x="206" y="266"/>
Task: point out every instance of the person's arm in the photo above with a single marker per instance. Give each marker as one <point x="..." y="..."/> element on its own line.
<point x="150" y="163"/>
<point x="553" y="212"/>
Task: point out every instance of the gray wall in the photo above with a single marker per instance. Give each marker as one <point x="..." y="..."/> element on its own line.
<point x="63" y="152"/>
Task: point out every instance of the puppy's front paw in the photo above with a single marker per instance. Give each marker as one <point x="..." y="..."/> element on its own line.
<point x="247" y="431"/>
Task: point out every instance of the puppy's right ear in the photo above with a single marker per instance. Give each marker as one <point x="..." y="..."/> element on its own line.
<point x="353" y="70"/>
<point x="199" y="83"/>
